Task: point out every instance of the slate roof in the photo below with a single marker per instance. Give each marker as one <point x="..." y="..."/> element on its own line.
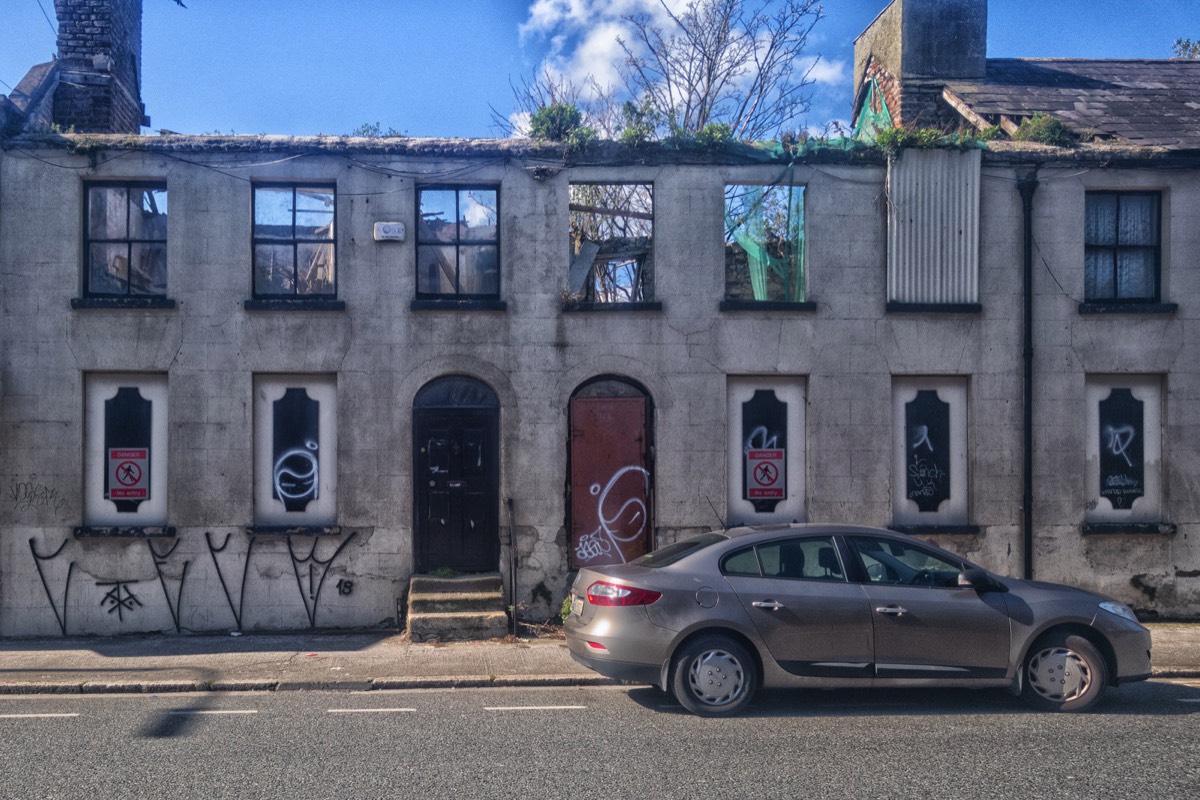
<point x="1142" y="101"/>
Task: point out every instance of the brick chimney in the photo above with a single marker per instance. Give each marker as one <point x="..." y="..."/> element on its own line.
<point x="99" y="66"/>
<point x="914" y="47"/>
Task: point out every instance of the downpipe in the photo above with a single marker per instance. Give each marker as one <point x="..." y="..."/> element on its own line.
<point x="1027" y="185"/>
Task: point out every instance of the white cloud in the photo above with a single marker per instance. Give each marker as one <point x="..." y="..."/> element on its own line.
<point x="823" y="71"/>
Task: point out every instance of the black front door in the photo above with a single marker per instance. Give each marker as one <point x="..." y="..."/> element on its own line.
<point x="456" y="476"/>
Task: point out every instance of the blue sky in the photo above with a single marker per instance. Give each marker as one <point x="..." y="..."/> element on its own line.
<point x="433" y="68"/>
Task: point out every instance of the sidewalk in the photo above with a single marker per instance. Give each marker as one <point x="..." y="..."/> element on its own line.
<point x="350" y="661"/>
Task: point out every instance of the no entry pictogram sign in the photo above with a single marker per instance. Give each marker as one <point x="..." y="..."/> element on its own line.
<point x="764" y="474"/>
<point x="128" y="474"/>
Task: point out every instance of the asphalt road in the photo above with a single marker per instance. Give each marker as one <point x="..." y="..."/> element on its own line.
<point x="597" y="742"/>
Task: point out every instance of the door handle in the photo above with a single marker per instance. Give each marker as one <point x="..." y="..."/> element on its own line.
<point x="894" y="611"/>
<point x="771" y="605"/>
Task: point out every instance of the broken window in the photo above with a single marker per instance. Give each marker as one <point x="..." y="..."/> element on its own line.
<point x="294" y="241"/>
<point x="764" y="243"/>
<point x="612" y="242"/>
<point x="126" y="243"/>
<point x="458" y="242"/>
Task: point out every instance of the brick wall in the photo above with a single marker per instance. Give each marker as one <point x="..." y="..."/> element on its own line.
<point x="100" y="57"/>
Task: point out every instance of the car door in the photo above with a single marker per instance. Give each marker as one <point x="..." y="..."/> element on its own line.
<point x="813" y="621"/>
<point x="926" y="625"/>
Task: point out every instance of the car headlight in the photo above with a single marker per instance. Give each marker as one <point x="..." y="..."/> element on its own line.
<point x="1120" y="609"/>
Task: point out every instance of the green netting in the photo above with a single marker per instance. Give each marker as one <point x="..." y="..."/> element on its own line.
<point x="874" y="116"/>
<point x="767" y="223"/>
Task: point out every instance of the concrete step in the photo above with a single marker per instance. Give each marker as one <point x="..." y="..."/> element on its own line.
<point x="435" y="602"/>
<point x="451" y="626"/>
<point x="458" y="608"/>
<point x="425" y="584"/>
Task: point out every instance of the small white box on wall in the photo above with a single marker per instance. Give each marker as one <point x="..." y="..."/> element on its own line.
<point x="390" y="231"/>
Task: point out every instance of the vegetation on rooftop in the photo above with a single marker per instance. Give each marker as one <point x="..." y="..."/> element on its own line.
<point x="1044" y="129"/>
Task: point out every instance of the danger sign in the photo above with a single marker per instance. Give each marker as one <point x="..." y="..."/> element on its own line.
<point x="764" y="475"/>
<point x="128" y="474"/>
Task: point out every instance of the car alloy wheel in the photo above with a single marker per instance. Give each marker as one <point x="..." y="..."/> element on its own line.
<point x="1064" y="673"/>
<point x="714" y="676"/>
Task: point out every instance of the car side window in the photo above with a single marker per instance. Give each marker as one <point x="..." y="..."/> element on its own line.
<point x="810" y="558"/>
<point x="743" y="562"/>
<point x="901" y="564"/>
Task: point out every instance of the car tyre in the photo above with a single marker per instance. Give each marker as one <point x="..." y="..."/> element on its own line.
<point x="714" y="676"/>
<point x="1063" y="672"/>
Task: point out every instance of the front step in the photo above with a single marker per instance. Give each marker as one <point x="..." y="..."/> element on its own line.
<point x="460" y="608"/>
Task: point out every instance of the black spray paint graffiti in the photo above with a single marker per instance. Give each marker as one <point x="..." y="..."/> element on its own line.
<point x="119" y="599"/>
<point x="28" y="496"/>
<point x="38" y="560"/>
<point x="160" y="561"/>
<point x="318" y="570"/>
<point x="345" y="586"/>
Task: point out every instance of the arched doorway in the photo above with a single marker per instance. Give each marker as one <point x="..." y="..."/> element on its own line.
<point x="456" y="475"/>
<point x="610" y="508"/>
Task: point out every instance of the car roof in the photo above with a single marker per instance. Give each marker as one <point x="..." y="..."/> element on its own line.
<point x="810" y="528"/>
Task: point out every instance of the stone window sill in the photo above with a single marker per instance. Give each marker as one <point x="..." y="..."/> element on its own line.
<point x="453" y="304"/>
<point x="109" y="303"/>
<point x="894" y="307"/>
<point x="573" y="306"/>
<point x="767" y="305"/>
<point x="124" y="532"/>
<point x="937" y="530"/>
<point x="295" y="304"/>
<point x="1122" y="528"/>
<point x="1128" y="308"/>
<point x="294" y="530"/>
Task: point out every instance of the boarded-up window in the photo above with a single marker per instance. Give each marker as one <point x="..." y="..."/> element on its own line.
<point x="1124" y="448"/>
<point x="933" y="227"/>
<point x="764" y="243"/>
<point x="125" y="470"/>
<point x="929" y="485"/>
<point x="295" y="450"/>
<point x="612" y="242"/>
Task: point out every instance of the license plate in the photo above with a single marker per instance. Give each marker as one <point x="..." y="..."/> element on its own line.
<point x="576" y="605"/>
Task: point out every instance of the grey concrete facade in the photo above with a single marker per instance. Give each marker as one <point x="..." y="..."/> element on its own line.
<point x="846" y="351"/>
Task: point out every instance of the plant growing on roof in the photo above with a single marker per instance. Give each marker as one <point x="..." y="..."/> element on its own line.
<point x="1044" y="129"/>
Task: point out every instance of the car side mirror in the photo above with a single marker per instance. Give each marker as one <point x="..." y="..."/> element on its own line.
<point x="980" y="580"/>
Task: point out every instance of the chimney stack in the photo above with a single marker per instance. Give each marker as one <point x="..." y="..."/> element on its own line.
<point x="914" y="47"/>
<point x="99" y="66"/>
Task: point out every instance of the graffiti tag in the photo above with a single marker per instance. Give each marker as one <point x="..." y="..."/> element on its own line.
<point x="28" y="495"/>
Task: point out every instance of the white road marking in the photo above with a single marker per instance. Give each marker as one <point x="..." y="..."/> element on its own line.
<point x="1189" y="699"/>
<point x="213" y="712"/>
<point x="534" y="708"/>
<point x="370" y="710"/>
<point x="35" y="716"/>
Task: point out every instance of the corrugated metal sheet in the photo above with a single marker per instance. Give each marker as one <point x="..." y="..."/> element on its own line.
<point x="933" y="227"/>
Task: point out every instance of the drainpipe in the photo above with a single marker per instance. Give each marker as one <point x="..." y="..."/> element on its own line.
<point x="512" y="562"/>
<point x="1027" y="185"/>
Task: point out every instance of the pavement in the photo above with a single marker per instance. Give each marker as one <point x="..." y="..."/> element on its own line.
<point x="352" y="662"/>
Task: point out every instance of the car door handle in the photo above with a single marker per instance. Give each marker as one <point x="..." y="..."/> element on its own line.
<point x="894" y="611"/>
<point x="772" y="605"/>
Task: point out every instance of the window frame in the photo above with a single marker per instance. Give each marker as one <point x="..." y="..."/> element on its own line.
<point x="743" y="303"/>
<point x="294" y="241"/>
<point x="458" y="297"/>
<point x="91" y="294"/>
<point x="1116" y="248"/>
<point x="646" y="291"/>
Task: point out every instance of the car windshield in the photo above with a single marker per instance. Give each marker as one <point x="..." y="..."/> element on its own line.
<point x="665" y="556"/>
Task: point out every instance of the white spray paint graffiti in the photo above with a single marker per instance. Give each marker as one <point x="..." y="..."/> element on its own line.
<point x="296" y="473"/>
<point x="760" y="439"/>
<point x="620" y="526"/>
<point x="1119" y="440"/>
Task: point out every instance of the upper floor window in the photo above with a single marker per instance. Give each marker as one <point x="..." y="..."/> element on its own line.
<point x="294" y="241"/>
<point x="764" y="243"/>
<point x="126" y="242"/>
<point x="1121" y="247"/>
<point x="612" y="243"/>
<point x="458" y="242"/>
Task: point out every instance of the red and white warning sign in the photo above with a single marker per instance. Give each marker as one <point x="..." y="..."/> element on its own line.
<point x="764" y="475"/>
<point x="128" y="474"/>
